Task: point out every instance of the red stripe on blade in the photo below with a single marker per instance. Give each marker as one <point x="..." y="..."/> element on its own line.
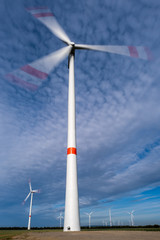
<point x="148" y="53"/>
<point x="30" y="70"/>
<point x="71" y="150"/>
<point x="21" y="82"/>
<point x="36" y="8"/>
<point x="30" y="216"/>
<point x="39" y="15"/>
<point x="133" y="51"/>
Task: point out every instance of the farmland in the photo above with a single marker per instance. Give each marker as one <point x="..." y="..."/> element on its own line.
<point x="124" y="233"/>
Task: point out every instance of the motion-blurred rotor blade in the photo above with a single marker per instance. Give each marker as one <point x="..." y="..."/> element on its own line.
<point x="32" y="75"/>
<point x="44" y="15"/>
<point x="130" y="51"/>
<point x="26" y="198"/>
<point x="30" y="185"/>
<point x="36" y="191"/>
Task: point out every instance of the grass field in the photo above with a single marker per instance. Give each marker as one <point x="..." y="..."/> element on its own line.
<point x="123" y="229"/>
<point x="8" y="234"/>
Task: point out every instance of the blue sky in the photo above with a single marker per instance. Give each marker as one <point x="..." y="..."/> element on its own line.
<point x="117" y="107"/>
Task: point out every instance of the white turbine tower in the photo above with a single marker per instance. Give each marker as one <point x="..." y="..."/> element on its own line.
<point x="110" y="218"/>
<point x="132" y="217"/>
<point x="30" y="209"/>
<point x="60" y="217"/>
<point x="32" y="75"/>
<point x="89" y="216"/>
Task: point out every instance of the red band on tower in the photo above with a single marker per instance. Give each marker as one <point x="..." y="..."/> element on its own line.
<point x="71" y="150"/>
<point x="30" y="216"/>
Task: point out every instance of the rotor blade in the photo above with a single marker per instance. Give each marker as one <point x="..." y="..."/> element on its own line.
<point x="30" y="185"/>
<point x="32" y="75"/>
<point x="87" y="214"/>
<point x="44" y="15"/>
<point x="61" y="214"/>
<point x="26" y="198"/>
<point x="130" y="51"/>
<point x="36" y="191"/>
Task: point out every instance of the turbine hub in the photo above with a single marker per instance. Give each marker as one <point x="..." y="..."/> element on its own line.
<point x="72" y="44"/>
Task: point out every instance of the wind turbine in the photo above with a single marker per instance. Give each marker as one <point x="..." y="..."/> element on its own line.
<point x="30" y="209"/>
<point x="89" y="216"/>
<point x="104" y="222"/>
<point x="32" y="75"/>
<point x="132" y="217"/>
<point x="60" y="219"/>
<point x="110" y="218"/>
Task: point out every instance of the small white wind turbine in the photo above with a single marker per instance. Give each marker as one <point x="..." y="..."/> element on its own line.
<point x="89" y="216"/>
<point x="104" y="222"/>
<point x="132" y="217"/>
<point x="110" y="218"/>
<point x="60" y="217"/>
<point x="30" y="209"/>
<point x="32" y="75"/>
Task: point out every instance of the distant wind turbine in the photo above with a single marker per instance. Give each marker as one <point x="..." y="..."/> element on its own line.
<point x="110" y="218"/>
<point x="104" y="223"/>
<point x="89" y="216"/>
<point x="30" y="209"/>
<point x="60" y="217"/>
<point x="32" y="75"/>
<point x="132" y="217"/>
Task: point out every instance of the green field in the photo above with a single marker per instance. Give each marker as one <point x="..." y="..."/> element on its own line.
<point x="9" y="233"/>
<point x="123" y="229"/>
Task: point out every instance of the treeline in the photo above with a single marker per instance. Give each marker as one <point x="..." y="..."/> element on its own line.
<point x="122" y="227"/>
<point x="84" y="227"/>
<point x="24" y="228"/>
